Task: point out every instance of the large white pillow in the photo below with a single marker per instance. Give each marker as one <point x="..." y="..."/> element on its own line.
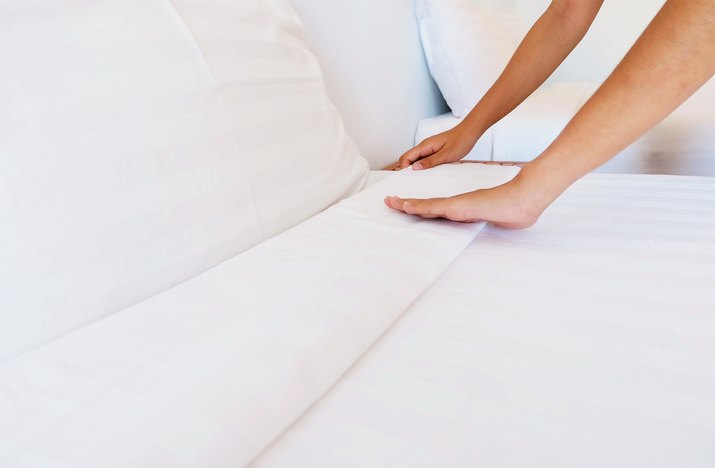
<point x="145" y="141"/>
<point x="467" y="47"/>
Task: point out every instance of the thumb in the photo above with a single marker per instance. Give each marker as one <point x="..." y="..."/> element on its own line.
<point x="426" y="208"/>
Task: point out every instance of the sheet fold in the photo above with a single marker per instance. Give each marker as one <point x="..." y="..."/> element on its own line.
<point x="211" y="371"/>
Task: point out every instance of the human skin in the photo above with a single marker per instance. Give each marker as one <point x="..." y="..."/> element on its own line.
<point x="673" y="57"/>
<point x="552" y="38"/>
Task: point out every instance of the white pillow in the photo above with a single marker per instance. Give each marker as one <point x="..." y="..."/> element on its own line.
<point x="467" y="47"/>
<point x="144" y="142"/>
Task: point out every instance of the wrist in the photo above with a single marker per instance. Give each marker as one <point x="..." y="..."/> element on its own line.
<point x="467" y="134"/>
<point x="474" y="125"/>
<point x="541" y="184"/>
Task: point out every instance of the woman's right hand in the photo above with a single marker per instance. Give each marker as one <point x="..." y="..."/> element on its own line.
<point x="443" y="148"/>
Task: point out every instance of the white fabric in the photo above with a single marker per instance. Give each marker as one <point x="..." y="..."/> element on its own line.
<point x="296" y="154"/>
<point x="207" y="373"/>
<point x="145" y="141"/>
<point x="588" y="340"/>
<point x="376" y="176"/>
<point x="467" y="47"/>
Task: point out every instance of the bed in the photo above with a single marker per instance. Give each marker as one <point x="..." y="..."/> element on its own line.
<point x="404" y="342"/>
<point x="198" y="270"/>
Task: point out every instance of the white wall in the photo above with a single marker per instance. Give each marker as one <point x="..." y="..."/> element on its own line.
<point x="375" y="71"/>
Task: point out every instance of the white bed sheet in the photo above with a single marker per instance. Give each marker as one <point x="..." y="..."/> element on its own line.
<point x="208" y="373"/>
<point x="683" y="144"/>
<point x="588" y="340"/>
<point x="374" y="177"/>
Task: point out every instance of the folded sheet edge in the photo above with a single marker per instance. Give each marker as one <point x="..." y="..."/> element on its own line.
<point x="210" y="372"/>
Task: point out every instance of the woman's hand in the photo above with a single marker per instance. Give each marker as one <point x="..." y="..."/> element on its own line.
<point x="446" y="147"/>
<point x="513" y="205"/>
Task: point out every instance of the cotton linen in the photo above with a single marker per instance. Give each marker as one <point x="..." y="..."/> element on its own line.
<point x="587" y="340"/>
<point x="208" y="373"/>
<point x="145" y="141"/>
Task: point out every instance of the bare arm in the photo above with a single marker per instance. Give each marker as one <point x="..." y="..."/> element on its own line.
<point x="552" y="38"/>
<point x="548" y="43"/>
<point x="672" y="59"/>
<point x="669" y="62"/>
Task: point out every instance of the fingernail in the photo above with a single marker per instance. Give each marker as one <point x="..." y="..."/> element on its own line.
<point x="416" y="166"/>
<point x="406" y="205"/>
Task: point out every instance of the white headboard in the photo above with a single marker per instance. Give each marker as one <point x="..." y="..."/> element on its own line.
<point x="375" y="70"/>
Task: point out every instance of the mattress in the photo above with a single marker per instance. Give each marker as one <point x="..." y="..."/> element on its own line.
<point x="588" y="340"/>
<point x="683" y="144"/>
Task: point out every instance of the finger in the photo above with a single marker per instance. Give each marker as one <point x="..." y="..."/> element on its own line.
<point x="426" y="208"/>
<point x="393" y="167"/>
<point x="436" y="159"/>
<point x="424" y="149"/>
<point x="410" y="157"/>
<point x="394" y="203"/>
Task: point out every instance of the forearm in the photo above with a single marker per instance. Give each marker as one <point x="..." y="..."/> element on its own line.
<point x="670" y="61"/>
<point x="548" y="43"/>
